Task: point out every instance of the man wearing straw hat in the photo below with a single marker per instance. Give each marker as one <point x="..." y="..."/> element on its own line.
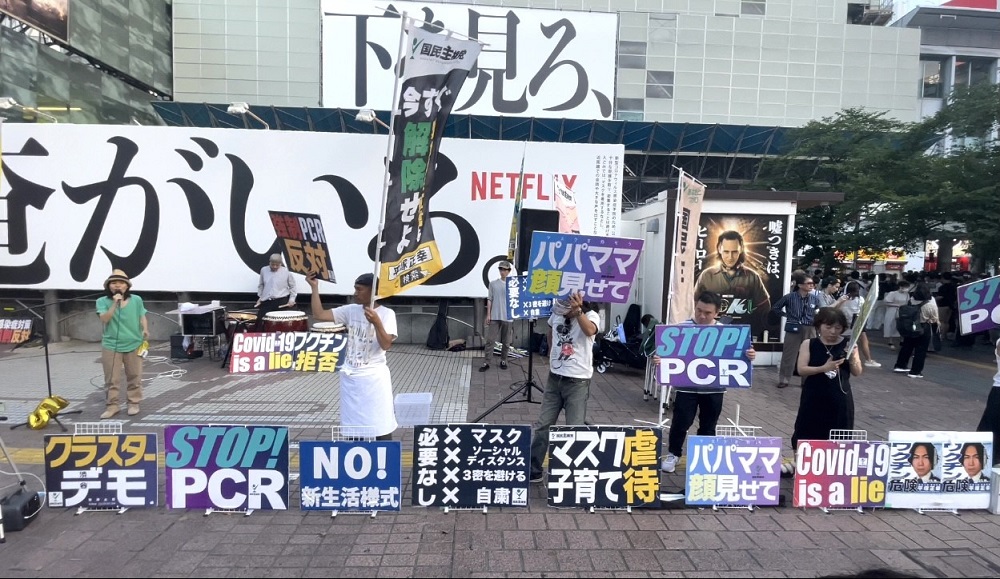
<point x="125" y="331"/>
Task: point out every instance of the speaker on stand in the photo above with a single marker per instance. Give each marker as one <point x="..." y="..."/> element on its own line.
<point x="532" y="220"/>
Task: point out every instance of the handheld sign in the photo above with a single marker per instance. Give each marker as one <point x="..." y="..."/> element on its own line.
<point x="693" y="356"/>
<point x="303" y="242"/>
<point x="979" y="305"/>
<point x="521" y="304"/>
<point x="863" y="315"/>
<point x="603" y="268"/>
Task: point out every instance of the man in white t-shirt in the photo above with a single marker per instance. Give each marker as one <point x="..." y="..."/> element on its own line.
<point x="365" y="383"/>
<point x="571" y="366"/>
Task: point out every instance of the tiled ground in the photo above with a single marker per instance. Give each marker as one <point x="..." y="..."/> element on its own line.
<point x="539" y="540"/>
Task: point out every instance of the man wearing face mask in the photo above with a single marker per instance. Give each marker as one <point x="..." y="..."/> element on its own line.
<point x="125" y="329"/>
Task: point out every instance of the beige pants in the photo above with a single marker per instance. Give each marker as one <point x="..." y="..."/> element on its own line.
<point x="113" y="363"/>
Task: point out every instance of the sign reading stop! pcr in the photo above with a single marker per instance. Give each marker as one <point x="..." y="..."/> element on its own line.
<point x="701" y="357"/>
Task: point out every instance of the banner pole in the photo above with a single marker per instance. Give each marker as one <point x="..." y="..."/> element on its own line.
<point x="388" y="153"/>
<point x="673" y="245"/>
<point x="515" y="221"/>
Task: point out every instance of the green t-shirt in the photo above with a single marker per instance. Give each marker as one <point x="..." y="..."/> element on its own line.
<point x="123" y="332"/>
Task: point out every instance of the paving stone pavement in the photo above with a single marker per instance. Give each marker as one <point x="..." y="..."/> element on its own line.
<point x="529" y="542"/>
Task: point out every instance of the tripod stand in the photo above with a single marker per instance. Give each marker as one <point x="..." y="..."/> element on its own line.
<point x="524" y="388"/>
<point x="49" y="407"/>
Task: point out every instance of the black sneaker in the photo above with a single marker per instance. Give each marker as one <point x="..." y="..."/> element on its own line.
<point x="539" y="477"/>
<point x="503" y="365"/>
<point x="484" y="367"/>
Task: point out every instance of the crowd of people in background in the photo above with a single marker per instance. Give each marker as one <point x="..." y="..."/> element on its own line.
<point x="848" y="292"/>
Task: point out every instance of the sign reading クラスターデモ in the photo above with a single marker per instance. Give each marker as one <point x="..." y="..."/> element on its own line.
<point x="104" y="471"/>
<point x="540" y="63"/>
<point x="81" y="197"/>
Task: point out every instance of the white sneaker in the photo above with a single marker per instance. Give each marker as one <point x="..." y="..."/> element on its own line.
<point x="901" y="370"/>
<point x="873" y="364"/>
<point x="669" y="463"/>
<point x="915" y="375"/>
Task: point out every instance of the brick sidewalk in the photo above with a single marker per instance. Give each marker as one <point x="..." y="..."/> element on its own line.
<point x="674" y="541"/>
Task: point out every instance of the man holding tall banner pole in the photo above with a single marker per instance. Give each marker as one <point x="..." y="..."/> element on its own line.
<point x="433" y="68"/>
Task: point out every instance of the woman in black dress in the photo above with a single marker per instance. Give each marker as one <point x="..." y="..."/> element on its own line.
<point x="826" y="402"/>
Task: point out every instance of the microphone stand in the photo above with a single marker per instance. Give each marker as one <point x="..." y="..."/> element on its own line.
<point x="525" y="388"/>
<point x="44" y="334"/>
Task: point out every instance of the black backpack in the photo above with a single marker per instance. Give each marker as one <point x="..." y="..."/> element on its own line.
<point x="908" y="320"/>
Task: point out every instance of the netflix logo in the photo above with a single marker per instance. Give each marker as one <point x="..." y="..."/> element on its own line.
<point x="488" y="185"/>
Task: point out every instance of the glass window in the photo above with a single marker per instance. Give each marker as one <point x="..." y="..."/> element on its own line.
<point x="631" y="54"/>
<point x="981" y="70"/>
<point x="932" y="86"/>
<point x="752" y="7"/>
<point x="660" y="84"/>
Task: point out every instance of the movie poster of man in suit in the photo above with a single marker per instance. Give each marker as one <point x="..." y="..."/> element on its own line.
<point x="742" y="258"/>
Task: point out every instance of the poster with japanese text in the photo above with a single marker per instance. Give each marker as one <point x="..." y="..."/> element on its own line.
<point x="102" y="471"/>
<point x="939" y="470"/>
<point x="229" y="467"/>
<point x="254" y="352"/>
<point x="358" y="476"/>
<point x="841" y="474"/>
<point x="733" y="470"/>
<point x="979" y="305"/>
<point x="522" y="304"/>
<point x="207" y="194"/>
<point x="539" y="63"/>
<point x="303" y="243"/>
<point x="433" y="69"/>
<point x="15" y="330"/>
<point x="604" y="466"/>
<point x="601" y="267"/>
<point x="694" y="356"/>
<point x="742" y="258"/>
<point x="471" y="465"/>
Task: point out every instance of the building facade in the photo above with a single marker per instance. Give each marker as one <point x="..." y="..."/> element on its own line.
<point x="86" y="61"/>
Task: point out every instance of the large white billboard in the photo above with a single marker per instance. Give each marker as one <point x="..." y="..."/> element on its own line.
<point x="537" y="63"/>
<point x="186" y="209"/>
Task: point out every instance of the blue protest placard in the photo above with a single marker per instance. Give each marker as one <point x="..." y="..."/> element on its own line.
<point x="693" y="356"/>
<point x="603" y="268"/>
<point x="350" y="476"/>
<point x="979" y="305"/>
<point x="522" y="304"/>
<point x="226" y="467"/>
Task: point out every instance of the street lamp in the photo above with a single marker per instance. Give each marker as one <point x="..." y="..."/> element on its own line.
<point x="369" y="116"/>
<point x="244" y="109"/>
<point x="10" y="103"/>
